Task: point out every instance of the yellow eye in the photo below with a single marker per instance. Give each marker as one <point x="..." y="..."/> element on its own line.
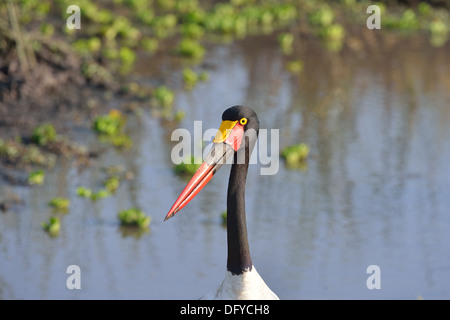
<point x="243" y="121"/>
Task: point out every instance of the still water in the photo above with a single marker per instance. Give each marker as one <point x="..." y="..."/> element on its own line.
<point x="376" y="189"/>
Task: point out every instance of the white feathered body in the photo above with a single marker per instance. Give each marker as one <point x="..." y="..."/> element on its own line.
<point x="246" y="286"/>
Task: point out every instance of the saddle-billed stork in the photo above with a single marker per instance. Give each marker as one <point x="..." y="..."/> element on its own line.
<point x="236" y="138"/>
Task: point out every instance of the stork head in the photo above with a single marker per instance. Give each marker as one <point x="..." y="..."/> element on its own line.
<point x="236" y="137"/>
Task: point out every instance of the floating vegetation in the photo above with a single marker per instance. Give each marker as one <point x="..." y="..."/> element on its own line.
<point x="119" y="171"/>
<point x="53" y="226"/>
<point x="100" y="194"/>
<point x="294" y="66"/>
<point x="127" y="58"/>
<point x="286" y="41"/>
<point x="59" y="204"/>
<point x="119" y="141"/>
<point x="190" y="48"/>
<point x="44" y="134"/>
<point x="84" y="192"/>
<point x="9" y="149"/>
<point x="45" y="137"/>
<point x="190" y="77"/>
<point x="110" y="184"/>
<point x="323" y="23"/>
<point x="36" y="177"/>
<point x="163" y="96"/>
<point x="192" y="30"/>
<point x="110" y="128"/>
<point x="439" y="33"/>
<point x="333" y="35"/>
<point x="322" y="16"/>
<point x="151" y="45"/>
<point x="179" y="115"/>
<point x="223" y="218"/>
<point x="295" y="155"/>
<point x="43" y="150"/>
<point x="16" y="153"/>
<point x="110" y="124"/>
<point x="134" y="217"/>
<point x="94" y="196"/>
<point x="188" y="167"/>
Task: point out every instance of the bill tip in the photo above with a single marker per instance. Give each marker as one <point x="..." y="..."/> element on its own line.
<point x="169" y="215"/>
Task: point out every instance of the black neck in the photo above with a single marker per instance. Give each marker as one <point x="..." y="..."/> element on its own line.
<point x="238" y="251"/>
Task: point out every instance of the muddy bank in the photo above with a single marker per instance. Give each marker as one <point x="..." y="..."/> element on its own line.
<point x="49" y="89"/>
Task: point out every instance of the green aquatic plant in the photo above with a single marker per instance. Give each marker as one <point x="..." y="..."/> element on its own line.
<point x="36" y="177"/>
<point x="134" y="217"/>
<point x="119" y="171"/>
<point x="120" y="141"/>
<point x="203" y="76"/>
<point x="110" y="124"/>
<point x="84" y="192"/>
<point x="408" y="20"/>
<point x="94" y="196"/>
<point x="295" y="154"/>
<point x="127" y="58"/>
<point x="438" y="28"/>
<point x="333" y="32"/>
<point x="44" y="134"/>
<point x="321" y="17"/>
<point x="192" y="30"/>
<point x="53" y="226"/>
<point x="47" y="29"/>
<point x="34" y="155"/>
<point x="188" y="167"/>
<point x="323" y="24"/>
<point x="424" y="9"/>
<point x="9" y="149"/>
<point x="87" y="46"/>
<point x="179" y="115"/>
<point x="165" y="25"/>
<point x="110" y="128"/>
<point x="16" y="152"/>
<point x="190" y="77"/>
<point x="294" y="66"/>
<point x="223" y="217"/>
<point x="438" y="33"/>
<point x="333" y="36"/>
<point x="59" y="204"/>
<point x="163" y="96"/>
<point x="190" y="48"/>
<point x="286" y="41"/>
<point x="100" y="194"/>
<point x="150" y="44"/>
<point x="112" y="183"/>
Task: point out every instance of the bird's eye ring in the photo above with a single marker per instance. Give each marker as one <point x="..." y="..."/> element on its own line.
<point x="243" y="121"/>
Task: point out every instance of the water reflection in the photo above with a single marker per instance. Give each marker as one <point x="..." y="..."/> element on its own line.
<point x="375" y="191"/>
